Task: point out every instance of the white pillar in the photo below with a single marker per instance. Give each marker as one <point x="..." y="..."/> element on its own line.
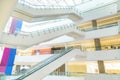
<point x="6" y="8"/>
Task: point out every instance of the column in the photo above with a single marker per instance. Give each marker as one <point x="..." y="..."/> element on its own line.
<point x="6" y="7"/>
<point x="101" y="66"/>
<point x="94" y="23"/>
<point x="97" y="44"/>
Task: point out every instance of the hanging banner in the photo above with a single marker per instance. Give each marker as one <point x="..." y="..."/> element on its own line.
<point x="7" y="61"/>
<point x="4" y="61"/>
<point x="16" y="26"/>
<point x="10" y="63"/>
<point x="13" y="25"/>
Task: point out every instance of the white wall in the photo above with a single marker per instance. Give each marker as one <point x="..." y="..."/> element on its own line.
<point x="102" y="32"/>
<point x="102" y="77"/>
<point x="62" y="78"/>
<point x="104" y="55"/>
<point x="36" y="58"/>
<point x="99" y="12"/>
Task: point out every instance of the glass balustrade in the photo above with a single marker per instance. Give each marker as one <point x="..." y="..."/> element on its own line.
<point x="47" y="31"/>
<point x="80" y="74"/>
<point x="63" y="27"/>
<point x="69" y="74"/>
<point x="105" y="47"/>
<point x="100" y="27"/>
<point x="43" y="64"/>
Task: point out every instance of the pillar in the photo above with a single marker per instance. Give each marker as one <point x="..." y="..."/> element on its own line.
<point x="6" y="8"/>
<point x="97" y="44"/>
<point x="101" y="66"/>
<point x="94" y="23"/>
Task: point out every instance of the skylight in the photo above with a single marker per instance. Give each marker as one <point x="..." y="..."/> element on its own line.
<point x="54" y="2"/>
<point x="93" y="4"/>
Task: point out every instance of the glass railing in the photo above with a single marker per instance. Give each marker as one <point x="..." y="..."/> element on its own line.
<point x="55" y="29"/>
<point x="100" y="27"/>
<point x="8" y="77"/>
<point x="61" y="28"/>
<point x="2" y="77"/>
<point x="69" y="74"/>
<point x="98" y="48"/>
<point x="80" y="74"/>
<point x="43" y="64"/>
<point x="48" y="30"/>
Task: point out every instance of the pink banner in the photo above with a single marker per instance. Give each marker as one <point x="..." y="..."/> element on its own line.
<point x="13" y="25"/>
<point x="5" y="56"/>
<point x="2" y="68"/>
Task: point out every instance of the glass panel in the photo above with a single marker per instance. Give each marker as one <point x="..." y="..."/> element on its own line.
<point x="70" y="74"/>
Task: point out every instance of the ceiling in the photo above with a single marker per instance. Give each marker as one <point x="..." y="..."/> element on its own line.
<point x="55" y="2"/>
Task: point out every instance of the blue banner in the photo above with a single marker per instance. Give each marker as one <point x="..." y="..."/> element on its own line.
<point x="10" y="63"/>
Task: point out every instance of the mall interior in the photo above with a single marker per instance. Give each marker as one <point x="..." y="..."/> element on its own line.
<point x="59" y="40"/>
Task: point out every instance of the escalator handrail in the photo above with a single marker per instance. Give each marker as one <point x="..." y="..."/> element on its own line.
<point x="43" y="64"/>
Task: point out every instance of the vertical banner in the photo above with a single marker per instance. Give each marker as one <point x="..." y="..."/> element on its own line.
<point x="13" y="25"/>
<point x="16" y="26"/>
<point x="7" y="61"/>
<point x="10" y="63"/>
<point x="4" y="60"/>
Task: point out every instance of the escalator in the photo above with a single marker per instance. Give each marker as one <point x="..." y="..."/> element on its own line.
<point x="47" y="66"/>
